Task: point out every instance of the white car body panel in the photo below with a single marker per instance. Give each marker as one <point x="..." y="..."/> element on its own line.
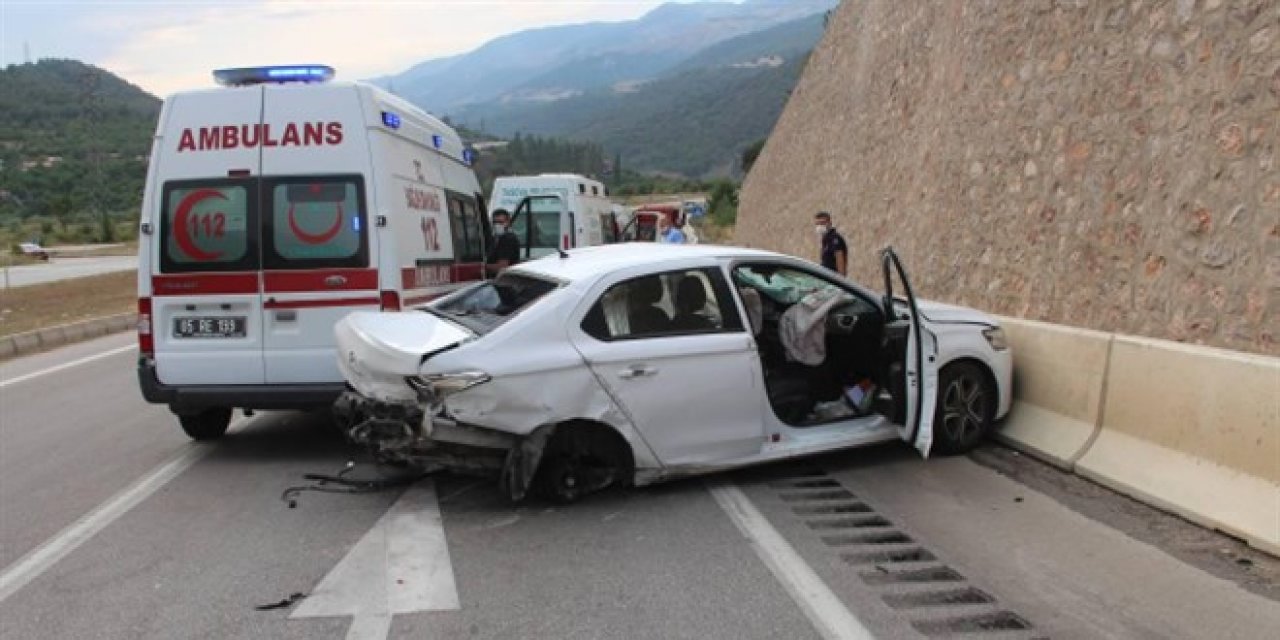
<point x="545" y="370"/>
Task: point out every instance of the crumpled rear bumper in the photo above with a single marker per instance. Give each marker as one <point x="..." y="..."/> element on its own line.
<point x="402" y="432"/>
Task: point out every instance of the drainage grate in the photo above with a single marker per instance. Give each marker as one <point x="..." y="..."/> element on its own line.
<point x="968" y="595"/>
<point x="813" y="510"/>
<point x="916" y="587"/>
<point x="998" y="621"/>
<point x="928" y="574"/>
<point x="831" y="494"/>
<point x="870" y="520"/>
<point x="886" y="557"/>
<point x="883" y="537"/>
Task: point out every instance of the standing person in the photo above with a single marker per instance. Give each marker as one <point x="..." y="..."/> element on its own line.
<point x="668" y="233"/>
<point x="835" y="253"/>
<point x="506" y="247"/>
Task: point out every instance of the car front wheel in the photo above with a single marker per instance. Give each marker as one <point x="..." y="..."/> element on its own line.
<point x="209" y="424"/>
<point x="965" y="410"/>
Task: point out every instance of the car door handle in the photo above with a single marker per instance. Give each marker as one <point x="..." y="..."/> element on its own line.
<point x="637" y="371"/>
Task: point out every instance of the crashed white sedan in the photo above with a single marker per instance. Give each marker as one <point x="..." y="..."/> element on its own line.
<point x="633" y="363"/>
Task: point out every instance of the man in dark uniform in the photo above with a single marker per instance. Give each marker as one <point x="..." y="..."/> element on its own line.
<point x="506" y="247"/>
<point x="835" y="253"/>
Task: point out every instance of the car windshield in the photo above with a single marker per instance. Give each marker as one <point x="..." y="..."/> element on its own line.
<point x="486" y="305"/>
<point x="783" y="285"/>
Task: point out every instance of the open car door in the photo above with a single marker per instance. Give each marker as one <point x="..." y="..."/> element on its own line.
<point x="919" y="370"/>
<point x="544" y="225"/>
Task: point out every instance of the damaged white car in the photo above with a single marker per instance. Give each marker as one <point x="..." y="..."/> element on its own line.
<point x="629" y="364"/>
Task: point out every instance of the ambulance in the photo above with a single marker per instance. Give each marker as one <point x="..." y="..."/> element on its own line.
<point x="275" y="204"/>
<point x="560" y="211"/>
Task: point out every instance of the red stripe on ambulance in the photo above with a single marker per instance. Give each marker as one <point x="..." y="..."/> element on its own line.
<point x="204" y="284"/>
<point x="320" y="280"/>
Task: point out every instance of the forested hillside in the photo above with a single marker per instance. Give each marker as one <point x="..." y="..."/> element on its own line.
<point x="74" y="141"/>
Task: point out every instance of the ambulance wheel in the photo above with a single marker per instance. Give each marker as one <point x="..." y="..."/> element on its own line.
<point x="209" y="424"/>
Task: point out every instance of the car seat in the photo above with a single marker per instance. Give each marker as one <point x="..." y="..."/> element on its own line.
<point x="644" y="315"/>
<point x="691" y="297"/>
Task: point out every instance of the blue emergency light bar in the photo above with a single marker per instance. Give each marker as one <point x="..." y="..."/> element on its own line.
<point x="245" y="76"/>
<point x="391" y="119"/>
<point x="469" y="156"/>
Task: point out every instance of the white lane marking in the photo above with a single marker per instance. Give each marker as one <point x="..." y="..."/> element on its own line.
<point x="373" y="627"/>
<point x="67" y="365"/>
<point x="401" y="565"/>
<point x="828" y="615"/>
<point x="38" y="560"/>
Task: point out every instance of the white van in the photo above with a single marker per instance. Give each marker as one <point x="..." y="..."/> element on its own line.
<point x="274" y="206"/>
<point x="567" y="210"/>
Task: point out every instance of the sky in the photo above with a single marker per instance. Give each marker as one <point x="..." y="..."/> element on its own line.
<point x="165" y="46"/>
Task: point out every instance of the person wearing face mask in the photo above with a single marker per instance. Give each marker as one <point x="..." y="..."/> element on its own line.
<point x="506" y="247"/>
<point x="835" y="253"/>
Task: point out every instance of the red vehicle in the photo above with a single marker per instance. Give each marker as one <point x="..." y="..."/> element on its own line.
<point x="643" y="226"/>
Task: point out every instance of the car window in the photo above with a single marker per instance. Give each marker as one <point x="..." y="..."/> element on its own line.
<point x="673" y="303"/>
<point x="208" y="225"/>
<point x="468" y="245"/>
<point x="484" y="306"/>
<point x="782" y="284"/>
<point x="316" y="222"/>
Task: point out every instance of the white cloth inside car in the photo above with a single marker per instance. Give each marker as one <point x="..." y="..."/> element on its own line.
<point x="803" y="327"/>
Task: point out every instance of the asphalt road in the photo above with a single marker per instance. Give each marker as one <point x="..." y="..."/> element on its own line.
<point x="113" y="525"/>
<point x="65" y="268"/>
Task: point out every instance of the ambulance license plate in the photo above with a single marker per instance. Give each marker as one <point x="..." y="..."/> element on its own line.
<point x="215" y="327"/>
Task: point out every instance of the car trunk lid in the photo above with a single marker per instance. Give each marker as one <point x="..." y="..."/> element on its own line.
<point x="377" y="350"/>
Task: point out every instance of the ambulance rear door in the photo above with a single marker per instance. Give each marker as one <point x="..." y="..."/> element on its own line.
<point x="319" y="258"/>
<point x="204" y="216"/>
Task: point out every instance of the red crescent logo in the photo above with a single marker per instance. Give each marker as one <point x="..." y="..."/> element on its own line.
<point x="181" y="233"/>
<point x="315" y="238"/>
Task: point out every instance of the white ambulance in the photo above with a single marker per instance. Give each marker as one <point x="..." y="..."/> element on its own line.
<point x="554" y="211"/>
<point x="274" y="206"/>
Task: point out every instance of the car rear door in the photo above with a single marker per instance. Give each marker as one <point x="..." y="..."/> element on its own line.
<point x="919" y="370"/>
<point x="206" y="302"/>
<point x="683" y="370"/>
<point x="319" y="258"/>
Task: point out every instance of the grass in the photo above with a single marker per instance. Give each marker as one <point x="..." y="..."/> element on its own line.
<point x="65" y="301"/>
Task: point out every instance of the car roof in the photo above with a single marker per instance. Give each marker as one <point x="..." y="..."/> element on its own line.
<point x="589" y="262"/>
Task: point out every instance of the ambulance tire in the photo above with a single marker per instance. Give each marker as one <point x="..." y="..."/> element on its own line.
<point x="209" y="424"/>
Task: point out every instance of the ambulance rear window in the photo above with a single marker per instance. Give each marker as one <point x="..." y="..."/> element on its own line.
<point x="316" y="222"/>
<point x="207" y="225"/>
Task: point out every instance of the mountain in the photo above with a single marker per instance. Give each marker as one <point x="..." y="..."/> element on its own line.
<point x="544" y="64"/>
<point x="73" y="138"/>
<point x="694" y="119"/>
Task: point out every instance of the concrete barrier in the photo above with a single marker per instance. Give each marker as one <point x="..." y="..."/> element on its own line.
<point x="22" y="343"/>
<point x="1058" y="374"/>
<point x="1196" y="431"/>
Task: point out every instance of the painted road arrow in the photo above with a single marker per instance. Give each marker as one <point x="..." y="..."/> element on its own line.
<point x="400" y="566"/>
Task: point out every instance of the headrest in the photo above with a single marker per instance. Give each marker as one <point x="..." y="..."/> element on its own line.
<point x="691" y="296"/>
<point x="645" y="291"/>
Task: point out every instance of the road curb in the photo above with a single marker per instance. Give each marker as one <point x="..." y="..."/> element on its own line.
<point x="30" y="341"/>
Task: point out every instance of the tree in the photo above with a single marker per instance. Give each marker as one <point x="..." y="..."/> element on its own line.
<point x="722" y="203"/>
<point x="750" y="154"/>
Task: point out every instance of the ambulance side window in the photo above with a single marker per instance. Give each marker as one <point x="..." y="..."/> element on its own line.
<point x="464" y="220"/>
<point x="209" y="225"/>
<point x="315" y="222"/>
